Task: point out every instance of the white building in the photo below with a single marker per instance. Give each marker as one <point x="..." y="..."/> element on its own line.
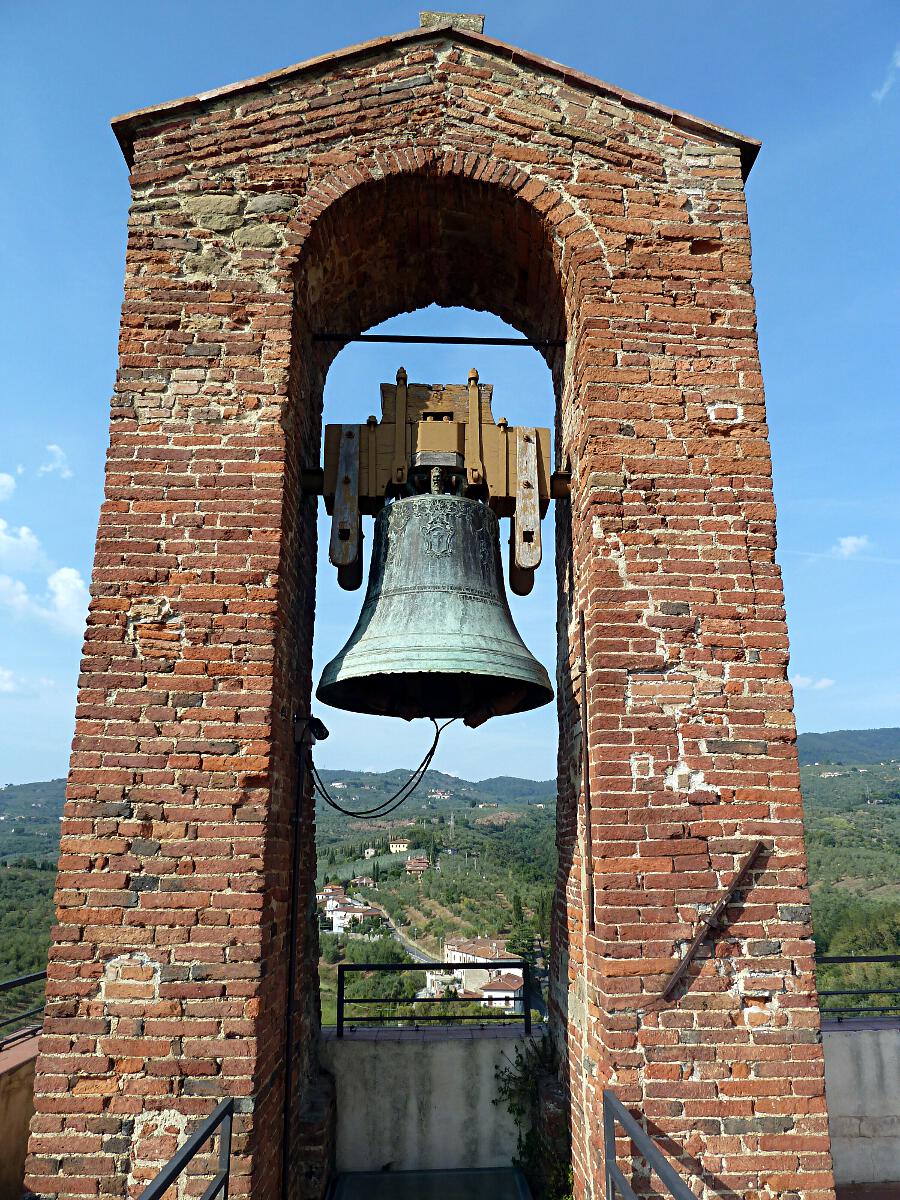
<point x="347" y="914"/>
<point x="475" y="951"/>
<point x="505" y="991"/>
<point x="369" y="851"/>
<point x="398" y="845"/>
<point x="330" y="896"/>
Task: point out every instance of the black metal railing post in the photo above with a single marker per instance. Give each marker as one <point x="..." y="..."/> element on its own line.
<point x="225" y="1150"/>
<point x="609" y="1148"/>
<point x="615" y="1112"/>
<point x="482" y="1018"/>
<point x="222" y="1115"/>
<point x="340" y="1000"/>
<point x="526" y="997"/>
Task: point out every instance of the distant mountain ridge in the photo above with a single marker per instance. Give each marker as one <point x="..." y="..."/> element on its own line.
<point x="849" y="746"/>
<point x="40" y="803"/>
<point x="364" y="789"/>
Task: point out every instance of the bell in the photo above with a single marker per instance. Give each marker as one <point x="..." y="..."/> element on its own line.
<point x="435" y="637"/>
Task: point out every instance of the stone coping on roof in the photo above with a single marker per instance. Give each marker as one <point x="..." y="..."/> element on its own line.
<point x="128" y="124"/>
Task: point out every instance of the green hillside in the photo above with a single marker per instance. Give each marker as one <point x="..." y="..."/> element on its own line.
<point x="494" y="842"/>
<point x="860" y="746"/>
<point x="29" y="821"/>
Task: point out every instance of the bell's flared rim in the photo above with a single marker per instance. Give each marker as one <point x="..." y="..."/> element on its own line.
<point x="435" y="637"/>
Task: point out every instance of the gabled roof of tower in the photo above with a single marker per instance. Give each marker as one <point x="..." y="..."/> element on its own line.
<point x="126" y="126"/>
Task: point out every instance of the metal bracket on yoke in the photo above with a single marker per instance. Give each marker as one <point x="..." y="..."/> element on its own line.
<point x="345" y="547"/>
<point x="401" y="457"/>
<point x="525" y="542"/>
<point x="713" y="921"/>
<point x="474" y="465"/>
<point x="424" y="425"/>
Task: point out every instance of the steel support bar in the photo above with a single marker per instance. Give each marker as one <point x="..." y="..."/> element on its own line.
<point x="614" y="1111"/>
<point x="408" y="1000"/>
<point x="22" y="980"/>
<point x="858" y="958"/>
<point x="31" y="1012"/>
<point x="221" y="1115"/>
<point x="478" y="1019"/>
<point x="714" y="919"/>
<point x="427" y="340"/>
<point x="872" y="991"/>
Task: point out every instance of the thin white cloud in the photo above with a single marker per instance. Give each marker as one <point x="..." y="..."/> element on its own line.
<point x="12" y="684"/>
<point x="890" y="78"/>
<point x="847" y="547"/>
<point x="14" y="596"/>
<point x="20" y="549"/>
<point x="7" y="485"/>
<point x="69" y="600"/>
<point x="808" y="683"/>
<point x="58" y="463"/>
<point x="64" y="605"/>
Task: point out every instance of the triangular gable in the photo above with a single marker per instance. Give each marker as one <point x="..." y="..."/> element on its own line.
<point x="127" y="125"/>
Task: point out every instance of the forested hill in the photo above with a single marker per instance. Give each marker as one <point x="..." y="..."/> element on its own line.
<point x="29" y="820"/>
<point x="859" y="746"/>
<point x="438" y="793"/>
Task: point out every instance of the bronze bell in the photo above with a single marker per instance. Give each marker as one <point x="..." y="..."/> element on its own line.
<point x="435" y="637"/>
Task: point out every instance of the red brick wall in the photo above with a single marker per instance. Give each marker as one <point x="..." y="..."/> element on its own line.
<point x="431" y="171"/>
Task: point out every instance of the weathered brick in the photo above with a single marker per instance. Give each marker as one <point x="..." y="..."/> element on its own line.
<point x="437" y="169"/>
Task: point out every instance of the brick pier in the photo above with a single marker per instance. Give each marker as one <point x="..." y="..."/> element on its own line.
<point x="434" y="166"/>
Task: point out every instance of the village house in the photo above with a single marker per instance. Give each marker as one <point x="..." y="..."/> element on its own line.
<point x="398" y="845"/>
<point x="417" y="865"/>
<point x="345" y="915"/>
<point x="504" y="991"/>
<point x="474" y="951"/>
<point x="331" y="895"/>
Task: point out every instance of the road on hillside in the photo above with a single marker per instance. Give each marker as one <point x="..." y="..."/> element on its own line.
<point x="411" y="949"/>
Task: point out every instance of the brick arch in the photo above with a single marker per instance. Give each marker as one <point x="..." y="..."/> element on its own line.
<point x="403" y="241"/>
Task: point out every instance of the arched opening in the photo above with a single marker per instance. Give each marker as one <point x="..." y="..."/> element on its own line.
<point x="393" y="247"/>
<point x="523" y="394"/>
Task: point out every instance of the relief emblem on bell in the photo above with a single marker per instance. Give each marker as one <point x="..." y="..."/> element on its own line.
<point x="437" y="534"/>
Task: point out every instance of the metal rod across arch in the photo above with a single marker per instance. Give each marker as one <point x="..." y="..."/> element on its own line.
<point x="425" y="339"/>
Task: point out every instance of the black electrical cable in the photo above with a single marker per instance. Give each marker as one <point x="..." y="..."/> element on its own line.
<point x="392" y="802"/>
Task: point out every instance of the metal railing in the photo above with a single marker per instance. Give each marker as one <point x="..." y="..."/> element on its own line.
<point x="846" y="1002"/>
<point x="487" y="1013"/>
<point x="222" y="1115"/>
<point x="13" y="1014"/>
<point x="615" y="1113"/>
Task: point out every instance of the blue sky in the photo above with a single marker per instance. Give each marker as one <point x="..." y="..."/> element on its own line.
<point x="819" y="83"/>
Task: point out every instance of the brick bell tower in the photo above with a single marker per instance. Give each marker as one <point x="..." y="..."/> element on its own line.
<point x="434" y="166"/>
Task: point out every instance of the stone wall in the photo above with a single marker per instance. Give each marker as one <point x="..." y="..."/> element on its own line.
<point x="421" y="1101"/>
<point x="16" y="1107"/>
<point x="862" y="1082"/>
<point x="435" y="166"/>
